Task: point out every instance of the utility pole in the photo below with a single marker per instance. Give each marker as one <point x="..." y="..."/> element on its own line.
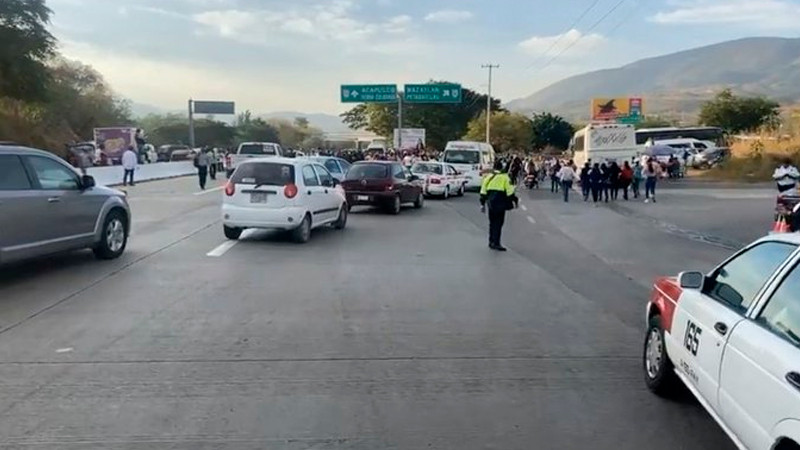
<point x="191" y="123"/>
<point x="399" y="122"/>
<point x="491" y="67"/>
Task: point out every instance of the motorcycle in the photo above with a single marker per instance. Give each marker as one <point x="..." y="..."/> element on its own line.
<point x="787" y="211"/>
<point x="532" y="181"/>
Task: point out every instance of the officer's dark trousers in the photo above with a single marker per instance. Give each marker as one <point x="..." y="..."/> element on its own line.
<point x="497" y="218"/>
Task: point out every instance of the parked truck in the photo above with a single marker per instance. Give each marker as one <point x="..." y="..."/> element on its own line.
<point x="113" y="141"/>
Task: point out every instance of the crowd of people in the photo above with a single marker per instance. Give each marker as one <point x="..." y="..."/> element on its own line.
<point x="598" y="181"/>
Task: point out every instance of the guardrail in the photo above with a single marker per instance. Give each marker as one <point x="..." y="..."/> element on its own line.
<point x="112" y="175"/>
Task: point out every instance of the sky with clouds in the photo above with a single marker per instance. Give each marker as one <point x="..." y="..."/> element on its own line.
<point x="272" y="55"/>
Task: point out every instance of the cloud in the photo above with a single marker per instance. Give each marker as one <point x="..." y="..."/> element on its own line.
<point x="759" y="14"/>
<point x="326" y="23"/>
<point x="579" y="44"/>
<point x="449" y="16"/>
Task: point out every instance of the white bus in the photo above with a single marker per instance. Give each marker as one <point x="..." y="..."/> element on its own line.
<point x="604" y="142"/>
<point x="473" y="159"/>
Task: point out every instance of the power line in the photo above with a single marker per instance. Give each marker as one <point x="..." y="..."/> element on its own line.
<point x="562" y="35"/>
<point x="589" y="30"/>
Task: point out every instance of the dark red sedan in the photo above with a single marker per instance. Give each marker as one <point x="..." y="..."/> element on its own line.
<point x="386" y="184"/>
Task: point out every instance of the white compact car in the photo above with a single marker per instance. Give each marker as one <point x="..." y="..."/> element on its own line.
<point x="733" y="338"/>
<point x="296" y="195"/>
<point x="438" y="183"/>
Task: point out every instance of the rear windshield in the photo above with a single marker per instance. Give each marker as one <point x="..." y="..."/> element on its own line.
<point x="360" y="171"/>
<point x="462" y="157"/>
<point x="256" y="149"/>
<point x="427" y="168"/>
<point x="267" y="174"/>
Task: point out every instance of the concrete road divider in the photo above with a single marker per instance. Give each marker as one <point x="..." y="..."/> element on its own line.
<point x="112" y="175"/>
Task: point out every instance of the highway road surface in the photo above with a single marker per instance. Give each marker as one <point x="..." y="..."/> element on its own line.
<point x="401" y="332"/>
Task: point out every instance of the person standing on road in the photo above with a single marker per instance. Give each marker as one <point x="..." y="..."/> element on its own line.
<point x="586" y="185"/>
<point x="201" y="161"/>
<point x="567" y="176"/>
<point x="596" y="182"/>
<point x="129" y="162"/>
<point x="606" y="181"/>
<point x="212" y="164"/>
<point x="625" y="178"/>
<point x="613" y="179"/>
<point x="497" y="193"/>
<point x="637" y="178"/>
<point x="554" y="183"/>
<point x="651" y="172"/>
<point x="786" y="176"/>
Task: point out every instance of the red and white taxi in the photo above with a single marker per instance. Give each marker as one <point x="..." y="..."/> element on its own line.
<point x="733" y="338"/>
<point x="440" y="179"/>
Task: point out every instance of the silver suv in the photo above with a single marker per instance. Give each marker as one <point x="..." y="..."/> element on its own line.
<point x="47" y="207"/>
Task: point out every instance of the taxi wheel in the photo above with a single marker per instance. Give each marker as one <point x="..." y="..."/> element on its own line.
<point x="461" y="191"/>
<point x="446" y="192"/>
<point x="231" y="232"/>
<point x="659" y="373"/>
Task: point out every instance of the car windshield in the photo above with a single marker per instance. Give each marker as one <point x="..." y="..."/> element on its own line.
<point x="256" y="149"/>
<point x="268" y="174"/>
<point x="427" y="168"/>
<point x="462" y="157"/>
<point x="369" y="171"/>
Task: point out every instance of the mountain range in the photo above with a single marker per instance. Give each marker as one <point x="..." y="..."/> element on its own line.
<point x="679" y="82"/>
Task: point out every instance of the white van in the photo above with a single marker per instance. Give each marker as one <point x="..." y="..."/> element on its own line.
<point x="600" y="143"/>
<point x="472" y="159"/>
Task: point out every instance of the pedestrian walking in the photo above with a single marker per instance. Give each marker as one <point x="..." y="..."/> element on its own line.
<point x="201" y="161"/>
<point x="554" y="181"/>
<point x="567" y="176"/>
<point x="625" y="178"/>
<point x="497" y="193"/>
<point x="606" y="181"/>
<point x="586" y="187"/>
<point x="129" y="162"/>
<point x="637" y="178"/>
<point x="596" y="182"/>
<point x="651" y="172"/>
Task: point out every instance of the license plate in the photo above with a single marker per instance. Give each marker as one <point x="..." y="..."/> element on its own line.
<point x="362" y="198"/>
<point x="258" y="197"/>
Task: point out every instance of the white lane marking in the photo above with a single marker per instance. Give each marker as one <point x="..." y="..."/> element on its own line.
<point x="208" y="191"/>
<point x="523" y="207"/>
<point x="531" y="220"/>
<point x="222" y="249"/>
<point x="64" y="350"/>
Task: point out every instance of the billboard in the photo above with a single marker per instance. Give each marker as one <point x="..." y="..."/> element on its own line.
<point x="115" y="140"/>
<point x="409" y="139"/>
<point x="621" y="109"/>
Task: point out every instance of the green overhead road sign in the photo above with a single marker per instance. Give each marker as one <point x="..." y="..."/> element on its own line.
<point x="432" y="93"/>
<point x="369" y="93"/>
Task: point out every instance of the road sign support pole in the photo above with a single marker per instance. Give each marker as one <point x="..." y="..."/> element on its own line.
<point x="399" y="121"/>
<point x="191" y="123"/>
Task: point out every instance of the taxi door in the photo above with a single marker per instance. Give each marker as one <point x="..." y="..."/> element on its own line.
<point x="760" y="376"/>
<point x="705" y="318"/>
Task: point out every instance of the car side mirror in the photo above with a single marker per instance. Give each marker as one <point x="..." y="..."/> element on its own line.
<point x="413" y="178"/>
<point x="691" y="280"/>
<point x="328" y="183"/>
<point x="335" y="182"/>
<point x="87" y="181"/>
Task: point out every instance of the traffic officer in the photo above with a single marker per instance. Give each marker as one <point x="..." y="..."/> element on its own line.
<point x="498" y="192"/>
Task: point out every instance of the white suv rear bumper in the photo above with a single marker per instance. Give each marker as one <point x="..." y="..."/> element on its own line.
<point x="286" y="218"/>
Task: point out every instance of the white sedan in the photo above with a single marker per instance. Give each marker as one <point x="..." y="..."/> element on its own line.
<point x="733" y="338"/>
<point x="296" y="195"/>
<point x="440" y="179"/>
